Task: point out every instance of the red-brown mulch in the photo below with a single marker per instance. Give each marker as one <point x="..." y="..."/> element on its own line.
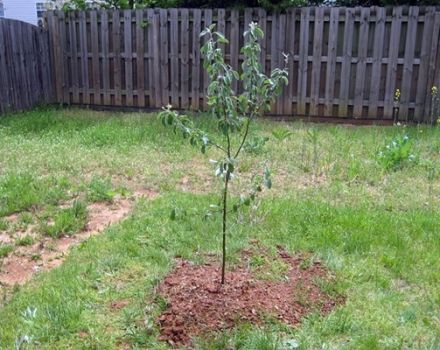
<point x="198" y="304"/>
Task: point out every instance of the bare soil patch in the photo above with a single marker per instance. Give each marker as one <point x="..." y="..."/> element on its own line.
<point x="48" y="253"/>
<point x="198" y="304"/>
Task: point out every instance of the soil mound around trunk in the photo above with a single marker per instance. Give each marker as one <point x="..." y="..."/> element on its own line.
<point x="198" y="304"/>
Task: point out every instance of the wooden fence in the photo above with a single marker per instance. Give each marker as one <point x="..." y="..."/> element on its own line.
<point x="25" y="67"/>
<point x="344" y="62"/>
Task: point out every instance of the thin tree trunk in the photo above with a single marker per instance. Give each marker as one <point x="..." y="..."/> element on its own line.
<point x="225" y="209"/>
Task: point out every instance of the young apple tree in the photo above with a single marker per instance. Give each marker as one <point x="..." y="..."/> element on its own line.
<point x="233" y="111"/>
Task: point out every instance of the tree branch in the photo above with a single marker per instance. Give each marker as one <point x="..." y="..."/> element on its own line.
<point x="244" y="138"/>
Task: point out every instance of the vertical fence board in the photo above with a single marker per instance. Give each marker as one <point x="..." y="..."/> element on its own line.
<point x="392" y="62"/>
<point x="262" y="22"/>
<point x="184" y="72"/>
<point x="221" y="25"/>
<point x="316" y="62"/>
<point x="274" y="58"/>
<point x="433" y="66"/>
<point x="379" y="32"/>
<point x="4" y="83"/>
<point x="117" y="57"/>
<point x="164" y="64"/>
<point x="65" y="72"/>
<point x="154" y="64"/>
<point x="174" y="57"/>
<point x="281" y="49"/>
<point x="331" y="61"/>
<point x="128" y="58"/>
<point x="56" y="55"/>
<point x="207" y="21"/>
<point x="303" y="60"/>
<point x="234" y="42"/>
<point x="95" y="57"/>
<point x="74" y="58"/>
<point x="140" y="58"/>
<point x="195" y="76"/>
<point x="290" y="50"/>
<point x="411" y="34"/>
<point x="346" y="62"/>
<point x="422" y="79"/>
<point x="84" y="58"/>
<point x="361" y="63"/>
<point x="105" y="59"/>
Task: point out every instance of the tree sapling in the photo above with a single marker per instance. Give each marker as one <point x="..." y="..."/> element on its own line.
<point x="233" y="111"/>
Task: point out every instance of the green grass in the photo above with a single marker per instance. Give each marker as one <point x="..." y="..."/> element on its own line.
<point x="25" y="241"/>
<point x="376" y="230"/>
<point x="100" y="190"/>
<point x="66" y="220"/>
<point x="5" y="249"/>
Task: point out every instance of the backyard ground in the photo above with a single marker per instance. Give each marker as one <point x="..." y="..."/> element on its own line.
<point x="67" y="174"/>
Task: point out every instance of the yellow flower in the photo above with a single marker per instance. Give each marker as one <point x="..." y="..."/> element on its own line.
<point x="397" y="94"/>
<point x="434" y="90"/>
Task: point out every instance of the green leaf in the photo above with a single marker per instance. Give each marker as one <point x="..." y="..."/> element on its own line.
<point x="173" y="214"/>
<point x="266" y="178"/>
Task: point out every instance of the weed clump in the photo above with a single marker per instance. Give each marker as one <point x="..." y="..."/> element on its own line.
<point x="397" y="153"/>
<point x="100" y="190"/>
<point x="67" y="221"/>
<point x="5" y="249"/>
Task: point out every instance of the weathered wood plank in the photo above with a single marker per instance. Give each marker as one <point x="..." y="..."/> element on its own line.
<point x="184" y="71"/>
<point x="4" y="83"/>
<point x="164" y="56"/>
<point x="75" y="72"/>
<point x="195" y="72"/>
<point x="140" y="58"/>
<point x="65" y="73"/>
<point x="105" y="58"/>
<point x="346" y="63"/>
<point x="56" y="55"/>
<point x="153" y="62"/>
<point x="95" y="58"/>
<point x="116" y="37"/>
<point x="411" y="35"/>
<point x="128" y="57"/>
<point x="281" y="48"/>
<point x="247" y="19"/>
<point x="421" y="91"/>
<point x="234" y="42"/>
<point x="433" y="66"/>
<point x="84" y="58"/>
<point x="262" y="21"/>
<point x="174" y="57"/>
<point x="331" y="61"/>
<point x="207" y="21"/>
<point x="361" y="63"/>
<point x="316" y="64"/>
<point x="290" y="47"/>
<point x="379" y="32"/>
<point x="392" y="62"/>
<point x="221" y="25"/>
<point x="303" y="60"/>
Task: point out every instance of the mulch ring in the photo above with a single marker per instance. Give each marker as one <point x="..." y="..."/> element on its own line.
<point x="198" y="304"/>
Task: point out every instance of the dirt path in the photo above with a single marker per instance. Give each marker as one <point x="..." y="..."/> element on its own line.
<point x="48" y="253"/>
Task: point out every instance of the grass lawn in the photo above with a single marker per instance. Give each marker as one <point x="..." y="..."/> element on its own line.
<point x="376" y="230"/>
